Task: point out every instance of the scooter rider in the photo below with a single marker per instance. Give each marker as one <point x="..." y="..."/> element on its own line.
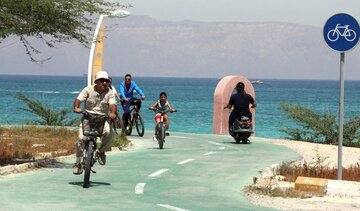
<point x="240" y="103"/>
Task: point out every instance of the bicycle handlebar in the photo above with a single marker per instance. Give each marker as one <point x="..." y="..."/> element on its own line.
<point x="94" y="115"/>
<point x="166" y="111"/>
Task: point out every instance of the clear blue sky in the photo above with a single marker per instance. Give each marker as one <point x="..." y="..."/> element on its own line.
<point x="308" y="12"/>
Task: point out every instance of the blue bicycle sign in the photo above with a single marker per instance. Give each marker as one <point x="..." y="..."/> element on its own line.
<point x="341" y="32"/>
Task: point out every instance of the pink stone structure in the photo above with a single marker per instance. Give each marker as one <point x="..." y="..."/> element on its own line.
<point x="223" y="91"/>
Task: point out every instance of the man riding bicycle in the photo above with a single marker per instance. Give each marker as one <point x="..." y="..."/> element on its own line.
<point x="98" y="99"/>
<point x="127" y="88"/>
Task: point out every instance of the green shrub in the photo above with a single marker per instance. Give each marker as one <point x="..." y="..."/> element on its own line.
<point x="317" y="128"/>
<point x="47" y="115"/>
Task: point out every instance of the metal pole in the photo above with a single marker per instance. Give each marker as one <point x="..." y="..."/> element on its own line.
<point x="341" y="115"/>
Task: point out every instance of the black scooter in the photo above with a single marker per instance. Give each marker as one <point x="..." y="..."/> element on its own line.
<point x="241" y="129"/>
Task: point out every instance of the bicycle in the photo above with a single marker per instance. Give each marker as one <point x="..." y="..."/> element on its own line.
<point x="92" y="127"/>
<point x="160" y="130"/>
<point x="135" y="119"/>
<point x="347" y="33"/>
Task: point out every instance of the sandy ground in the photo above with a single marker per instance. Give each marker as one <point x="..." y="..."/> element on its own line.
<point x="310" y="153"/>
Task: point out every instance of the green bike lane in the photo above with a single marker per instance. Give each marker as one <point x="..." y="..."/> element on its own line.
<point x="192" y="172"/>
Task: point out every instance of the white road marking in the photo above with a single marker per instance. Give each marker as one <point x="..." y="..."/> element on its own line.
<point x="158" y="172"/>
<point x="171" y="207"/>
<point x="209" y="153"/>
<point x="185" y="161"/>
<point x="222" y="147"/>
<point x="212" y="142"/>
<point x="181" y="137"/>
<point x="232" y="147"/>
<point x="139" y="188"/>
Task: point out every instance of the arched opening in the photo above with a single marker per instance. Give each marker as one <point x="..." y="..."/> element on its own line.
<point x="222" y="95"/>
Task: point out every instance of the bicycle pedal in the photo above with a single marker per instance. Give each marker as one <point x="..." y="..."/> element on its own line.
<point x="93" y="171"/>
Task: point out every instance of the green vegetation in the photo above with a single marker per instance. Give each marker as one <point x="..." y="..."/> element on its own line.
<point x="319" y="128"/>
<point x="47" y="116"/>
<point x="51" y="21"/>
<point x="120" y="141"/>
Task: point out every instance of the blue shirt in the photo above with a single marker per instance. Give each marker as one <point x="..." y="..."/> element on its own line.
<point x="129" y="93"/>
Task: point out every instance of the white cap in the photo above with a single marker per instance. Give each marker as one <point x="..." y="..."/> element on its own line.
<point x="101" y="74"/>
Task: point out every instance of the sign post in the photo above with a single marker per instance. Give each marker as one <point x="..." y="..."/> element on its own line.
<point x="341" y="33"/>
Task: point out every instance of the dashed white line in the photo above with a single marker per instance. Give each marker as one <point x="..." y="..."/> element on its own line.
<point x="139" y="188"/>
<point x="212" y="142"/>
<point x="158" y="172"/>
<point x="185" y="161"/>
<point x="222" y="147"/>
<point x="181" y="137"/>
<point x="171" y="207"/>
<point x="209" y="153"/>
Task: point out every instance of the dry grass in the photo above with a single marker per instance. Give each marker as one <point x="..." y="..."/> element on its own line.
<point x="27" y="143"/>
<point x="291" y="172"/>
<point x="20" y="144"/>
<point x="319" y="170"/>
<point x="287" y="193"/>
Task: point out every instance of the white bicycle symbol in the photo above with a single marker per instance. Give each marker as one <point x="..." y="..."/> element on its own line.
<point x="348" y="34"/>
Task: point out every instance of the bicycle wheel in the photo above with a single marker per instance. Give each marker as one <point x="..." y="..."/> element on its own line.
<point x="139" y="123"/>
<point x="89" y="153"/>
<point x="333" y="35"/>
<point x="161" y="135"/>
<point x="128" y="128"/>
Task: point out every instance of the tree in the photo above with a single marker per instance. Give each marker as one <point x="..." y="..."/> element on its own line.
<point x="318" y="128"/>
<point x="47" y="116"/>
<point x="51" y="21"/>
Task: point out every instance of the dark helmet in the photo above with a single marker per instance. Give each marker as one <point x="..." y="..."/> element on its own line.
<point x="240" y="86"/>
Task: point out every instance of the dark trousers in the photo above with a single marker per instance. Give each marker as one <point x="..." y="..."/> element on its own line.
<point x="126" y="107"/>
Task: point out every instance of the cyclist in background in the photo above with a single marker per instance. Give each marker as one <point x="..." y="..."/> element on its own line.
<point x="160" y="106"/>
<point x="127" y="88"/>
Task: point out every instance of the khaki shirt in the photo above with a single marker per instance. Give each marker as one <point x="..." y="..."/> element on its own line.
<point x="95" y="102"/>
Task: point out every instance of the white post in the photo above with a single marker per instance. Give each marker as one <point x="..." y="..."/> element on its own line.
<point x="117" y="13"/>
<point x="92" y="50"/>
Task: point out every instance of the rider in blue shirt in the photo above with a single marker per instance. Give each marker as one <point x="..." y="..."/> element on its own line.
<point x="127" y="88"/>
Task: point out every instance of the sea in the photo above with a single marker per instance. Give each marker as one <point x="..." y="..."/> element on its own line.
<point x="192" y="97"/>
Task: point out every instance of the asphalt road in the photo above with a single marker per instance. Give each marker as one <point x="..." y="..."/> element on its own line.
<point x="192" y="172"/>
